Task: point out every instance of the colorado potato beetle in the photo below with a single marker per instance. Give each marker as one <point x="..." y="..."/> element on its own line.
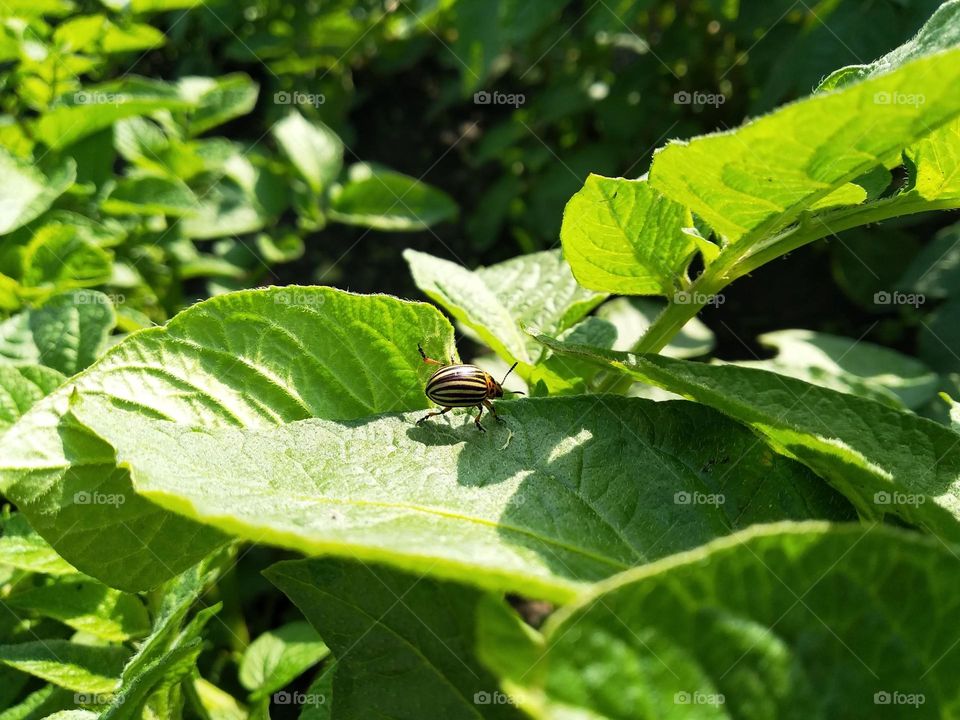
<point x="456" y="385"/>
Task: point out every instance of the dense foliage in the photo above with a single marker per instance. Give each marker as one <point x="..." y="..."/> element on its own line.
<point x="216" y="501"/>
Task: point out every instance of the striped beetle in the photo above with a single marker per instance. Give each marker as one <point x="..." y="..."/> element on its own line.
<point x="455" y="385"/>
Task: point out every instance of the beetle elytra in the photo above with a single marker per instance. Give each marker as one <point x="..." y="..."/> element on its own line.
<point x="456" y="385"/>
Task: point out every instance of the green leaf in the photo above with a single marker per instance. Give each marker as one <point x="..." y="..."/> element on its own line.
<point x="59" y="257"/>
<point x="21" y="547"/>
<point x="32" y="8"/>
<point x="218" y="704"/>
<point x="406" y="643"/>
<point x="98" y="34"/>
<point x="96" y="107"/>
<point x="759" y="625"/>
<point x="87" y="606"/>
<point x="28" y="192"/>
<point x="495" y="302"/>
<point x="72" y="715"/>
<point x="222" y="208"/>
<point x="150" y="196"/>
<point x="851" y="366"/>
<point x="939" y="338"/>
<point x="66" y="333"/>
<point x="21" y="387"/>
<point x="387" y="200"/>
<point x="883" y="459"/>
<point x="313" y="148"/>
<point x="39" y="704"/>
<point x="941" y="32"/>
<point x="81" y="668"/>
<point x="935" y="270"/>
<point x="319" y="705"/>
<point x="254" y="358"/>
<point x="761" y="176"/>
<point x="535" y="504"/>
<point x="278" y="657"/>
<point x="622" y="236"/>
<point x="217" y="100"/>
<point x="161" y="675"/>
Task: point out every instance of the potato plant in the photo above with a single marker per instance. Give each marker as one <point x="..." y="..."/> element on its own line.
<point x="648" y="533"/>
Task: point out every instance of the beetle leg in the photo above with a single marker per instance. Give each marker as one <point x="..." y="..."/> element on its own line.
<point x="433" y="414"/>
<point x="492" y="409"/>
<point x="476" y="420"/>
<point x="429" y="361"/>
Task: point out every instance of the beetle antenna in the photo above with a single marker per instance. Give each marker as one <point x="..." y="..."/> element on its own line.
<point x="508" y="373"/>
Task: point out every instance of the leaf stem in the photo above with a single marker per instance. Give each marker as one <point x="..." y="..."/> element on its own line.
<point x="743" y="257"/>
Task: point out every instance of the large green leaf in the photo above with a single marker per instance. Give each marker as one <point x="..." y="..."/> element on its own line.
<point x="21" y="547"/>
<point x="82" y="668"/>
<point x="21" y="387"/>
<point x="27" y="192"/>
<point x="785" y="621"/>
<point x="622" y="236"/>
<point x="883" y="459"/>
<point x="280" y="656"/>
<point x="87" y="606"/>
<point x="853" y="366"/>
<point x="66" y="333"/>
<point x="761" y="176"/>
<point x="406" y="643"/>
<point x="96" y="107"/>
<point x="495" y="302"/>
<point x="150" y="196"/>
<point x="541" y="504"/>
<point x="253" y="359"/>
<point x="313" y="148"/>
<point x="59" y="256"/>
<point x="387" y="200"/>
<point x="217" y="100"/>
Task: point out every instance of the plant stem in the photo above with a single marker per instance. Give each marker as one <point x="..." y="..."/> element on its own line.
<point x="745" y="256"/>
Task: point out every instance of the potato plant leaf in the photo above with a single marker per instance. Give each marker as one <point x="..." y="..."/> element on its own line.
<point x="407" y="642"/>
<point x="495" y="302"/>
<point x="883" y="459"/>
<point x="622" y="236"/>
<point x="81" y="668"/>
<point x="280" y="656"/>
<point x="761" y="176"/>
<point x="533" y="505"/>
<point x="758" y="625"/>
<point x="27" y="192"/>
<point x="66" y="333"/>
<point x="21" y="387"/>
<point x="387" y="200"/>
<point x="252" y="359"/>
<point x="86" y="606"/>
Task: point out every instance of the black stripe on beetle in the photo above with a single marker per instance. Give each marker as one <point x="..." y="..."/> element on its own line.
<point x="456" y="385"/>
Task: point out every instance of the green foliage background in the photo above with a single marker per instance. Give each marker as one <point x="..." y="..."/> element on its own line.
<point x="216" y="502"/>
